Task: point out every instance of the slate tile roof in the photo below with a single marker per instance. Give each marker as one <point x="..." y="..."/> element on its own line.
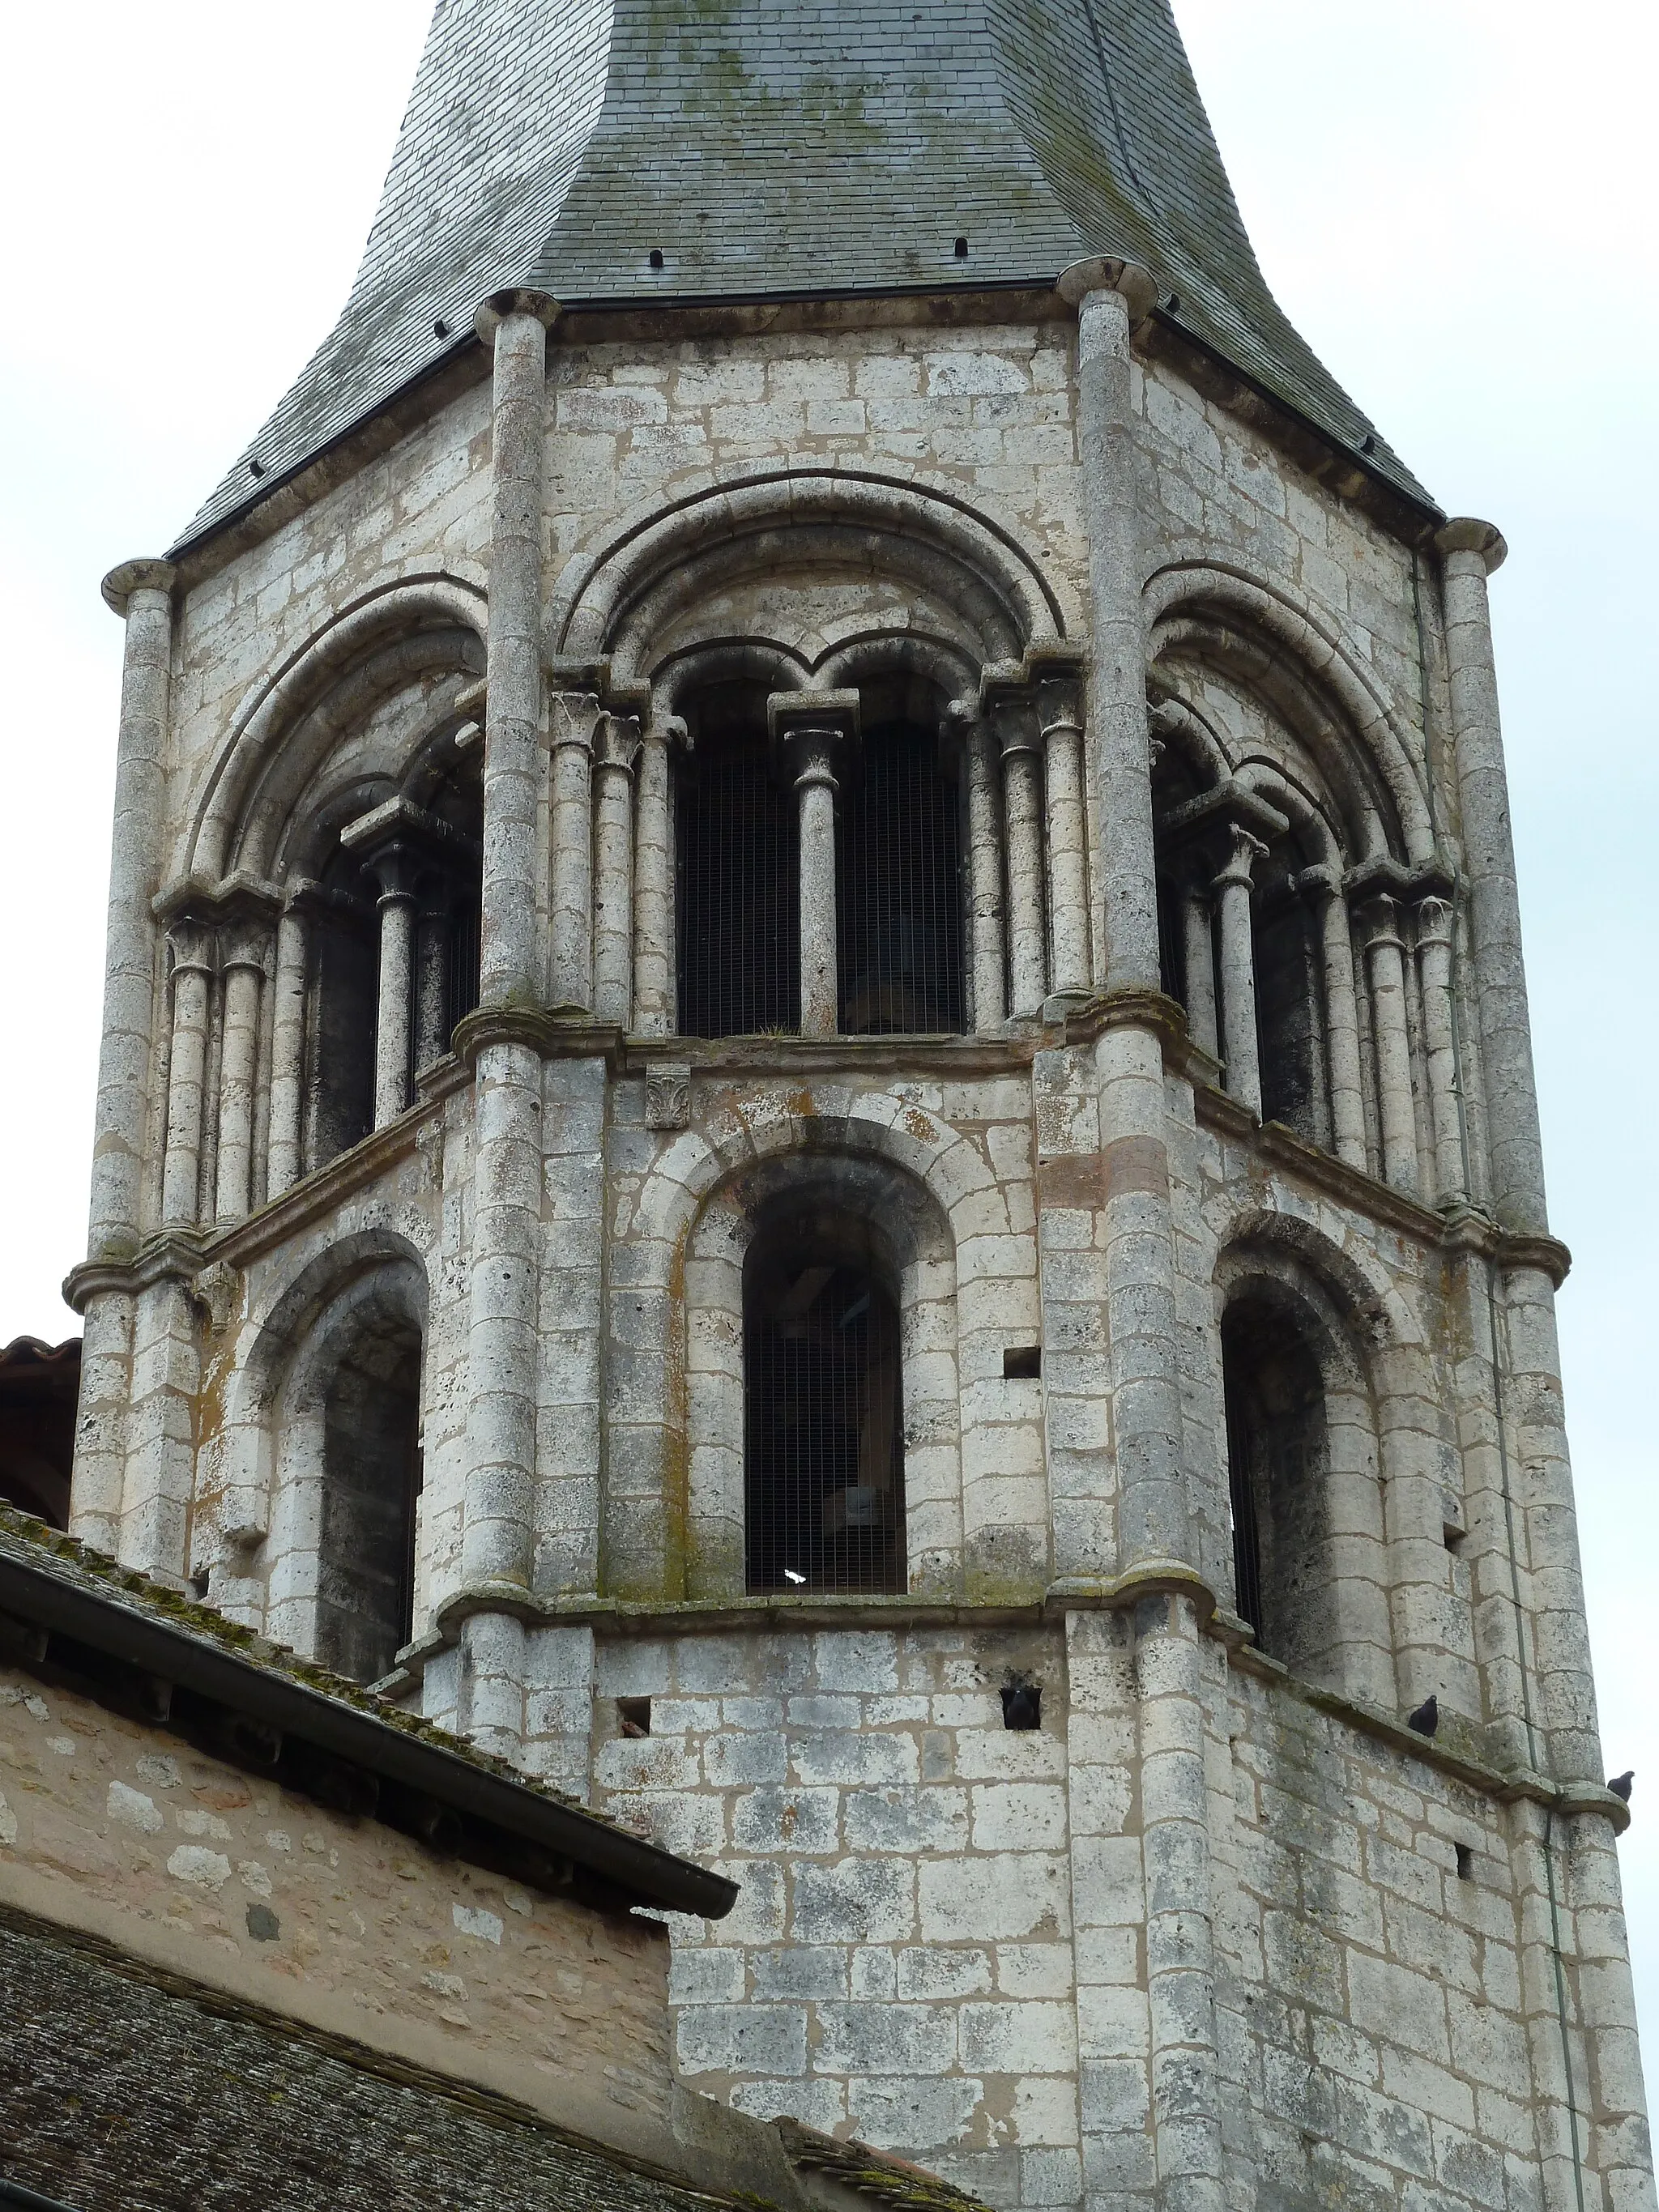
<point x="770" y="148"/>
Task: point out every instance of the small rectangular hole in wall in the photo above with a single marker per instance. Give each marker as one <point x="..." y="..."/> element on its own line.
<point x="1022" y="1706"/>
<point x="634" y="1715"/>
<point x="1022" y="1363"/>
<point x="1465" y="1861"/>
<point x="1453" y="1537"/>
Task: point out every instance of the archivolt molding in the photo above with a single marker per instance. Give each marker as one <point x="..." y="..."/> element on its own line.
<point x="1370" y="1302"/>
<point x="676" y="1192"/>
<point x="370" y="647"/>
<point x="1284" y="629"/>
<point x="282" y="1337"/>
<point x="880" y="521"/>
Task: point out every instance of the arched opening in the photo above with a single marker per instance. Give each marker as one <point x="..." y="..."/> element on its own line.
<point x="1289" y="1013"/>
<point x="737" y="842"/>
<point x="1277" y="1469"/>
<point x="823" y="1454"/>
<point x="372" y="1473"/>
<point x="898" y="894"/>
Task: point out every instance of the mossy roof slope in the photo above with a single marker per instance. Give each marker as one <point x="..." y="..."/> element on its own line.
<point x="775" y="148"/>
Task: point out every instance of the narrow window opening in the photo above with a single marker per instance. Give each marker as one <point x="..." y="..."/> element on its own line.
<point x="1465" y="1863"/>
<point x="739" y="901"/>
<point x="371" y="1477"/>
<point x="824" y="1453"/>
<point x="1276" y="1459"/>
<point x="1022" y="1706"/>
<point x="634" y="1717"/>
<point x="1022" y="1363"/>
<point x="1453" y="1537"/>
<point x="898" y="893"/>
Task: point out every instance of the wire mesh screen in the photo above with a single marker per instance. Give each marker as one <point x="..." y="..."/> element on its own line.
<point x="739" y="899"/>
<point x="1242" y="1476"/>
<point x="823" y="1455"/>
<point x="464" y="957"/>
<point x="898" y="891"/>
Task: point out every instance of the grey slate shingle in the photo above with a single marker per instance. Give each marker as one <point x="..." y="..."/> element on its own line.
<point x="799" y="147"/>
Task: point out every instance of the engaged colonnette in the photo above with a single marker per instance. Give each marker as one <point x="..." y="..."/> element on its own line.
<point x="816" y="1111"/>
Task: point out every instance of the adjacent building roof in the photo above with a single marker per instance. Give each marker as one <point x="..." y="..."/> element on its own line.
<point x="629" y="152"/>
<point x="69" y="1609"/>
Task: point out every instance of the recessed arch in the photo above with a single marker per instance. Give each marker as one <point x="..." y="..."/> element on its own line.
<point x="392" y="621"/>
<point x="881" y="525"/>
<point x="1287" y="653"/>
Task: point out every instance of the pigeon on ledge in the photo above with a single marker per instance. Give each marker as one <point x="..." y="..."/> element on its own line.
<point x="1620" y="1784"/>
<point x="1426" y="1719"/>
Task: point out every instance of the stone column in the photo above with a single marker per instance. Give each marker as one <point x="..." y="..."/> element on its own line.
<point x="1071" y="970"/>
<point x="618" y="752"/>
<point x="816" y="732"/>
<point x="1470" y="551"/>
<point x="1434" y="929"/>
<point x="1154" y="1521"/>
<point x="1385" y="958"/>
<point x="244" y="965"/>
<point x="1021" y="817"/>
<point x="394" y="1004"/>
<point x="1198" y="931"/>
<point x="191" y="943"/>
<point x="288" y="1048"/>
<point x="141" y="592"/>
<point x="501" y="1428"/>
<point x="576" y="723"/>
<point x="985" y="875"/>
<point x="1168" y="1656"/>
<point x="655" y="1011"/>
<point x="432" y="920"/>
<point x="1111" y="297"/>
<point x="1240" y="1048"/>
<point x="515" y="325"/>
<point x="1324" y="885"/>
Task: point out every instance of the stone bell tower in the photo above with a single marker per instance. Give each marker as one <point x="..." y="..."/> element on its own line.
<point x="816" y="1108"/>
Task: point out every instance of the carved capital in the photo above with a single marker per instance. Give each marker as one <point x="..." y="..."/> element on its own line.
<point x="1464" y="534"/>
<point x="130" y="576"/>
<point x="816" y="733"/>
<point x="1136" y="286"/>
<point x="1247" y="850"/>
<point x="1434" y="922"/>
<point x="616" y="742"/>
<point x="667" y="1095"/>
<point x="500" y="306"/>
<point x="573" y="719"/>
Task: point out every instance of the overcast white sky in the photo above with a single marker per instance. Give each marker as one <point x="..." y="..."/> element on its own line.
<point x="1453" y="198"/>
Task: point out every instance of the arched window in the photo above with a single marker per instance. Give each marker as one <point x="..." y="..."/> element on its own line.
<point x="1276" y="1468"/>
<point x="824" y="1414"/>
<point x="371" y="1436"/>
<point x="737" y="839"/>
<point x="898" y="893"/>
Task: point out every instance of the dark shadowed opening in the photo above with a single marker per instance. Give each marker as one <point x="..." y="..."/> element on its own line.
<point x="898" y="892"/>
<point x="736" y="841"/>
<point x="1276" y="1467"/>
<point x="1290" y="1018"/>
<point x="371" y="1481"/>
<point x="824" y="1447"/>
<point x="343" y="989"/>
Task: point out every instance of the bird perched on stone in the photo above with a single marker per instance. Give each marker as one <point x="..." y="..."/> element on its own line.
<point x="1426" y="1719"/>
<point x="1620" y="1784"/>
<point x="1022" y="1706"/>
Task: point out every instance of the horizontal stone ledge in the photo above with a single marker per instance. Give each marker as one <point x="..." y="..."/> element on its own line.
<point x="1105" y="1594"/>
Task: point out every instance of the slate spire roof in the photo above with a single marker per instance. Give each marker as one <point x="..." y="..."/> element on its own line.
<point x="771" y="148"/>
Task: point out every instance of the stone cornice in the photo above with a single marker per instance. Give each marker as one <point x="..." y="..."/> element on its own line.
<point x="1458" y="1758"/>
<point x="173" y="1255"/>
<point x="555" y="1033"/>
